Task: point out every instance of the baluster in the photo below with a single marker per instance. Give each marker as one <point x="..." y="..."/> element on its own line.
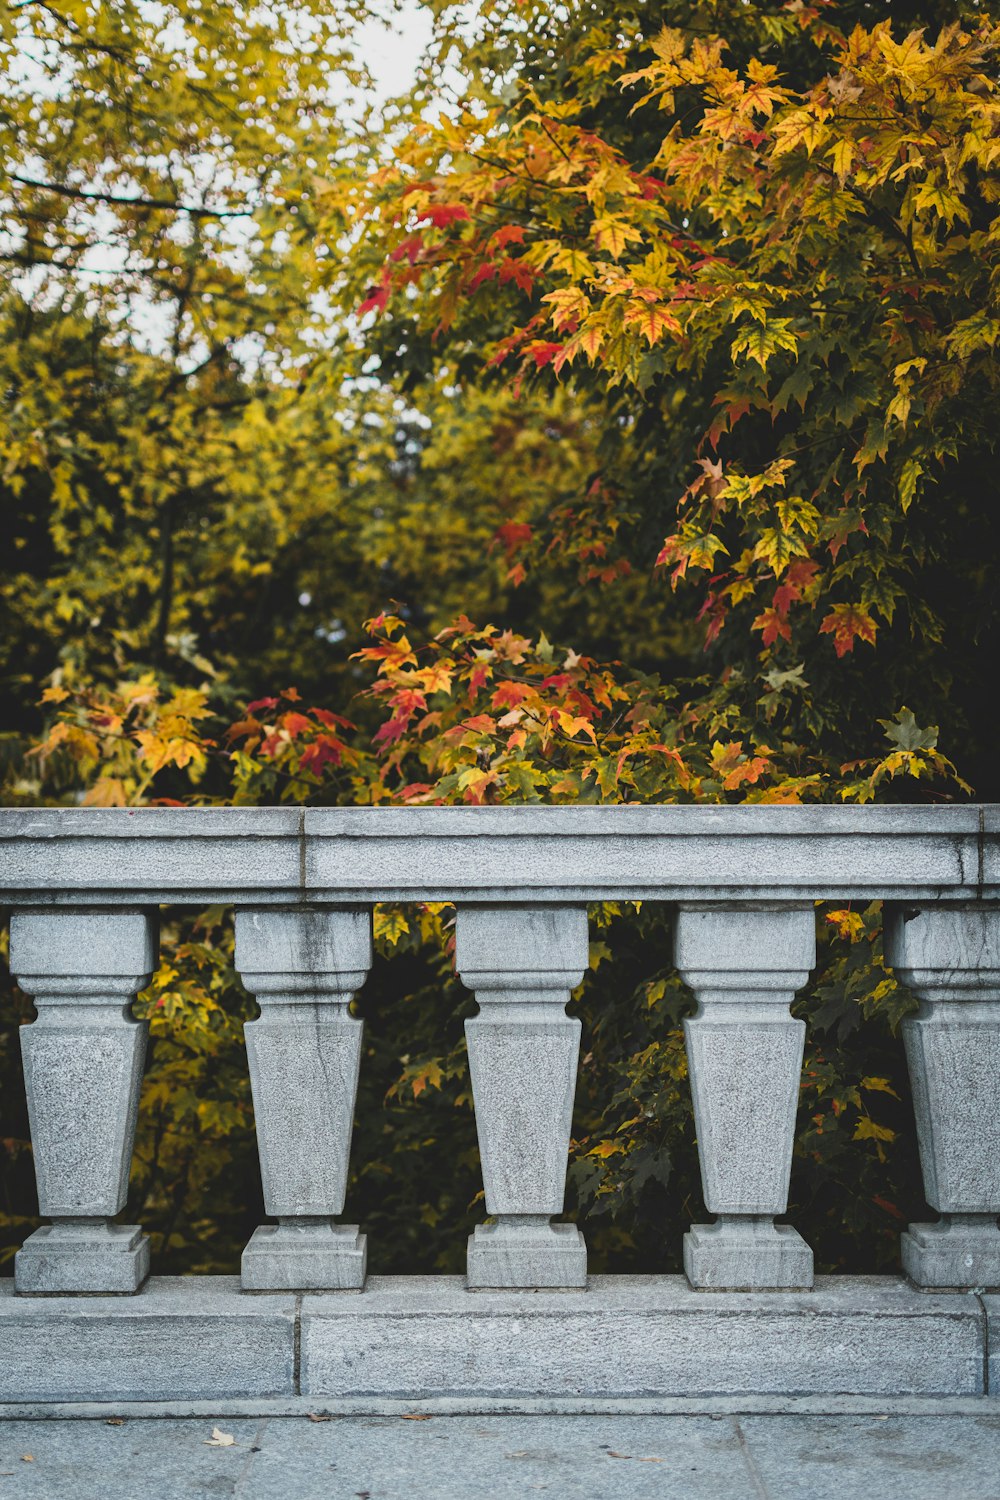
<point x="83" y="1061"/>
<point x="745" y="1059"/>
<point x="950" y="957"/>
<point x="304" y="1053"/>
<point x="522" y="964"/>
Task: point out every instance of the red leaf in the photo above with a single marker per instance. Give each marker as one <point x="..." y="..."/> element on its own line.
<point x="508" y="234"/>
<point x="847" y="623"/>
<point x="261" y="703"/>
<point x="326" y="717"/>
<point x="543" y="353"/>
<point x="443" y="214"/>
<point x="296" y="724"/>
<point x="315" y="756"/>
<point x="773" y="623"/>
<point x="513" y="535"/>
<point x="376" y="300"/>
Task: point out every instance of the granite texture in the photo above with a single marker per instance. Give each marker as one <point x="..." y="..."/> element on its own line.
<point x="523" y="854"/>
<point x="991" y="1306"/>
<point x="83" y="1061"/>
<point x="73" y="1257"/>
<point x="608" y="1457"/>
<point x="187" y="1337"/>
<point x="413" y="1339"/>
<point x="304" y="1054"/>
<point x="950" y="958"/>
<point x="739" y="1254"/>
<point x="527" y="1255"/>
<point x="745" y="1062"/>
<point x="523" y="1057"/>
<point x="310" y="1255"/>
<point x="629" y="1336"/>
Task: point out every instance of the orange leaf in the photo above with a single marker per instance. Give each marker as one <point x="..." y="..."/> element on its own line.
<point x="847" y="623"/>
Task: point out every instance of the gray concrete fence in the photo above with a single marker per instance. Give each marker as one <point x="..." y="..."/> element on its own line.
<point x="83" y="1322"/>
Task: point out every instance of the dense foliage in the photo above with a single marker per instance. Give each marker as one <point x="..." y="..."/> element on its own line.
<point x="634" y="379"/>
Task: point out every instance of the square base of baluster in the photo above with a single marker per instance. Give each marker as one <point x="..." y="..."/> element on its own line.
<point x="952" y="1255"/>
<point x="60" y="1259"/>
<point x="733" y="1257"/>
<point x="308" y="1258"/>
<point x="526" y="1256"/>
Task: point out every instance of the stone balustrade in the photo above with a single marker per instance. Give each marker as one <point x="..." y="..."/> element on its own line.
<point x="84" y="887"/>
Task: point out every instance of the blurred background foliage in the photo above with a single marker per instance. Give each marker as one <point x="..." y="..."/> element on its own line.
<point x="535" y="436"/>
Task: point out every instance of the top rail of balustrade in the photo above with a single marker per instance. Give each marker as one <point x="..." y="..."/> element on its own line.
<point x="513" y="854"/>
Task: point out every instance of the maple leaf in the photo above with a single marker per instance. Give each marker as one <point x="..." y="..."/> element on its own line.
<point x="847" y="623"/>
<point x="652" y="322"/>
<point x="543" y="353"/>
<point x="429" y="1076"/>
<point x="905" y="733"/>
<point x="443" y="214"/>
<point x="376" y="300"/>
<point x="774" y="625"/>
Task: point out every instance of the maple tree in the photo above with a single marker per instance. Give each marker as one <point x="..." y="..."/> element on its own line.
<point x="667" y="342"/>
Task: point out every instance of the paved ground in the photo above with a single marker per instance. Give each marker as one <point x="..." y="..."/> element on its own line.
<point x="506" y="1458"/>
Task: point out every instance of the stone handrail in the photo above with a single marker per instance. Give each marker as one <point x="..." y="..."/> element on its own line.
<point x="84" y="886"/>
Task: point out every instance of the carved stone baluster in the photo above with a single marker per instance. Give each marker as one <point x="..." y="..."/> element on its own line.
<point x="522" y="964"/>
<point x="745" y="1058"/>
<point x="83" y="1061"/>
<point x="950" y="957"/>
<point x="304" y="1052"/>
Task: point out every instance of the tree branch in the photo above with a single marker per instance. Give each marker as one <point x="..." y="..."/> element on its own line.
<point x="66" y="190"/>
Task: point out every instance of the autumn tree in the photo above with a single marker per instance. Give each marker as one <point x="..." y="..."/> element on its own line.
<point x="651" y="374"/>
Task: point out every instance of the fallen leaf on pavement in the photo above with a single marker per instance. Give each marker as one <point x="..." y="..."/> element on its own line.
<point x="315" y="1416"/>
<point x="635" y="1459"/>
<point x="27" y="1458"/>
<point x="115" y="1422"/>
<point x="220" y="1439"/>
<point x="415" y="1416"/>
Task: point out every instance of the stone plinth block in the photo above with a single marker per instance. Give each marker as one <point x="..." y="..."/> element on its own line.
<point x="524" y="1050"/>
<point x="992" y="1306"/>
<point x="191" y="1338"/>
<point x="742" y="1255"/>
<point x="950" y="958"/>
<point x="510" y="1254"/>
<point x="959" y="1251"/>
<point x="75" y="1257"/>
<point x="83" y="1061"/>
<point x="418" y="1337"/>
<point x="744" y="1050"/>
<point x="304" y="1257"/>
<point x="304" y="1054"/>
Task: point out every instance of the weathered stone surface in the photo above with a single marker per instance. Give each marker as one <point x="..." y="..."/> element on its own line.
<point x="992" y="1307"/>
<point x="83" y="1060"/>
<point x="745" y="1061"/>
<point x="304" y="1053"/>
<point x="528" y="854"/>
<point x="152" y="855"/>
<point x="189" y="1337"/>
<point x="304" y="1255"/>
<point x="500" y="948"/>
<point x="523" y="1055"/>
<point x="737" y="1253"/>
<point x="82" y="1257"/>
<point x="629" y="1336"/>
<point x="525" y="1254"/>
<point x="951" y="959"/>
<point x="961" y="1250"/>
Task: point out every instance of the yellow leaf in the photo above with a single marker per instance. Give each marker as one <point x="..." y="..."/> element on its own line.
<point x="867" y="1130"/>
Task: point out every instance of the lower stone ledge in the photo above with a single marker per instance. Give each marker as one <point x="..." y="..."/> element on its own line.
<point x="649" y="1340"/>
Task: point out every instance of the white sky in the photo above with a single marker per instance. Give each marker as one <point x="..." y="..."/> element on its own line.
<point x="392" y="53"/>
